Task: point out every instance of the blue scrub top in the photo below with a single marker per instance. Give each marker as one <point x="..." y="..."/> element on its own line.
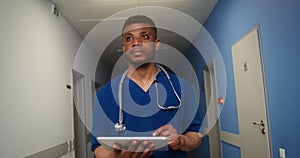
<point x="141" y="114"/>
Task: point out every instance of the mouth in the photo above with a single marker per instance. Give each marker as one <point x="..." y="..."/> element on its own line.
<point x="136" y="51"/>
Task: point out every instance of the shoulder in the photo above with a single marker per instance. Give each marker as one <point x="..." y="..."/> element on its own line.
<point x="109" y="86"/>
<point x="180" y="81"/>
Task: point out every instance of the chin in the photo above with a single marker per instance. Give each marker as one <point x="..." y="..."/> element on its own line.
<point x="141" y="63"/>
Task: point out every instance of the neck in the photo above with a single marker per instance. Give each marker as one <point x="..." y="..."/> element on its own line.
<point x="143" y="72"/>
<point x="143" y="75"/>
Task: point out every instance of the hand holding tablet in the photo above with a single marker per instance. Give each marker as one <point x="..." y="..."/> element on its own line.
<point x="137" y="144"/>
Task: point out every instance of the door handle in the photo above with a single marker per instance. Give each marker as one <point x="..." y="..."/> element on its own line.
<point x="261" y="126"/>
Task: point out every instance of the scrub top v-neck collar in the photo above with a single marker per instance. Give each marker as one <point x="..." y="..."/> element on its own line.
<point x="139" y="88"/>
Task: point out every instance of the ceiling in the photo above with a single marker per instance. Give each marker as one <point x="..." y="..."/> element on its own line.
<point x="84" y="15"/>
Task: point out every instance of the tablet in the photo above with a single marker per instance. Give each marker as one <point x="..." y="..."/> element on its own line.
<point x="161" y="143"/>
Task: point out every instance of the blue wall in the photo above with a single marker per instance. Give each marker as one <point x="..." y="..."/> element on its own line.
<point x="230" y="151"/>
<point x="280" y="31"/>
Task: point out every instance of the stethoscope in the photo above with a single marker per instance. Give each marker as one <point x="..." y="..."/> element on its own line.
<point x="120" y="126"/>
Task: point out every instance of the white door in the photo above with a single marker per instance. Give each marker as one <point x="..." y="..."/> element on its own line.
<point x="251" y="96"/>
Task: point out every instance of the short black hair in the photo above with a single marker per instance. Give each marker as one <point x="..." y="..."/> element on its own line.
<point x="140" y="19"/>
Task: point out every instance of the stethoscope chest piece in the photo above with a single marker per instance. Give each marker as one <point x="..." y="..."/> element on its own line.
<point x="120" y="128"/>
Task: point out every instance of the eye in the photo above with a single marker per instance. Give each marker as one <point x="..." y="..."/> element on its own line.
<point x="128" y="38"/>
<point x="145" y="36"/>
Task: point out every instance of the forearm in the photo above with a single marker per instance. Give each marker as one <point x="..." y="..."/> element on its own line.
<point x="101" y="152"/>
<point x="190" y="141"/>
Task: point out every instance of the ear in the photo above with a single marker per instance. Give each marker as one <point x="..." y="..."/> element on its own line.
<point x="157" y="44"/>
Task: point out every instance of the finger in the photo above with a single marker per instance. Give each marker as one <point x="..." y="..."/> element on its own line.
<point x="117" y="147"/>
<point x="118" y="152"/>
<point x="136" y="155"/>
<point x="132" y="146"/>
<point x="122" y="153"/>
<point x="171" y="134"/>
<point x="146" y="154"/>
<point x="166" y="133"/>
<point x="127" y="154"/>
<point x="142" y="146"/>
<point x="150" y="147"/>
<point x="136" y="149"/>
<point x="160" y="130"/>
<point x="148" y="151"/>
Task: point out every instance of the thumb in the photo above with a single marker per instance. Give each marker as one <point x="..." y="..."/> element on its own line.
<point x="176" y="143"/>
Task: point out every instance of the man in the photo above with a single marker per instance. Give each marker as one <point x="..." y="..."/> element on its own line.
<point x="173" y="119"/>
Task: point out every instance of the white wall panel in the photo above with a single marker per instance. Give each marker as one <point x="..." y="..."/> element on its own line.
<point x="36" y="58"/>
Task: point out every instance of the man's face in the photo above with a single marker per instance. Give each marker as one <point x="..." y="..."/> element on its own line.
<point x="139" y="43"/>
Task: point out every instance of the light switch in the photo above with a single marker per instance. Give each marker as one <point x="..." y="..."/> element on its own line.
<point x="281" y="153"/>
<point x="245" y="66"/>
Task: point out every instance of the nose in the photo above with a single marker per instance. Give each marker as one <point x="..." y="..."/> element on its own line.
<point x="137" y="42"/>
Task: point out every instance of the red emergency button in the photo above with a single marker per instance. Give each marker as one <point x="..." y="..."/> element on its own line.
<point x="221" y="100"/>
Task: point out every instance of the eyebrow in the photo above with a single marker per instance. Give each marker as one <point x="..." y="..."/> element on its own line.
<point x="145" y="32"/>
<point x="141" y="33"/>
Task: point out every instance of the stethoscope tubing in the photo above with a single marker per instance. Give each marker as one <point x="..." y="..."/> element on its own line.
<point x="119" y="126"/>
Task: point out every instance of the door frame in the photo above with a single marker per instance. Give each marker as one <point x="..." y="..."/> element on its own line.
<point x="210" y="86"/>
<point x="78" y="99"/>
